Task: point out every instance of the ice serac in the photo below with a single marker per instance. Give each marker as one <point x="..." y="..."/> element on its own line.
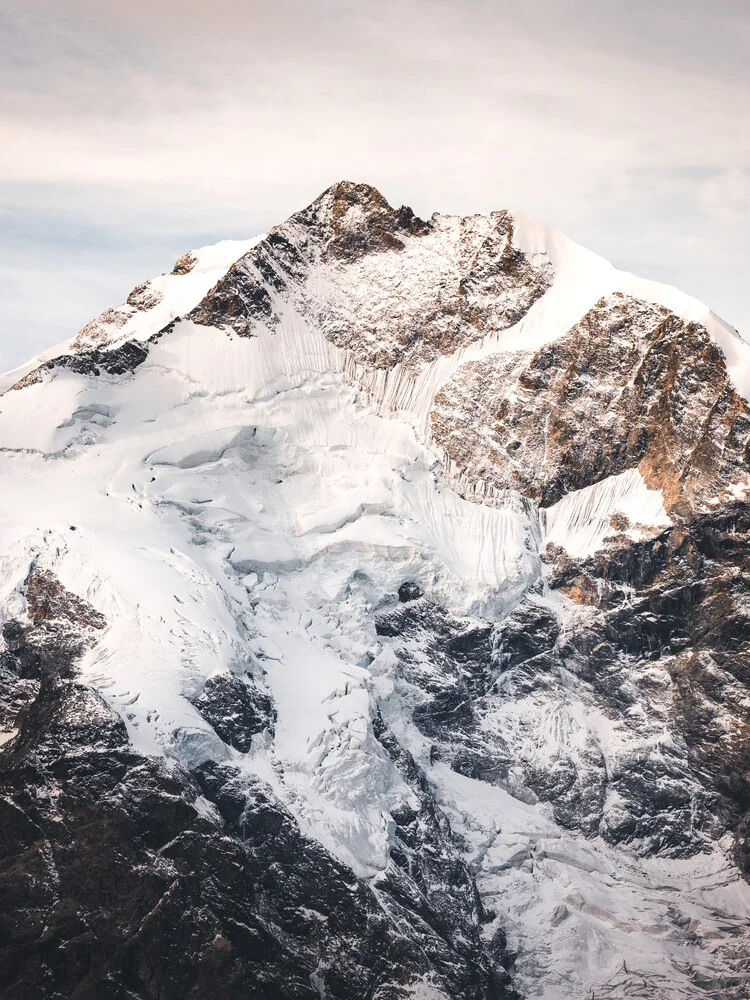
<point x="376" y="625"/>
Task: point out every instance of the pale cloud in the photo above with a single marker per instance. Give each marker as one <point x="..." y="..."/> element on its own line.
<point x="727" y="195"/>
<point x="623" y="124"/>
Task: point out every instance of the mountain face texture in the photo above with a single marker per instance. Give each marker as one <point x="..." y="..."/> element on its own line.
<point x="375" y="609"/>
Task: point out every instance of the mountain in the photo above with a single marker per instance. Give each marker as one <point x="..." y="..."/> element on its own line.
<point x="376" y="618"/>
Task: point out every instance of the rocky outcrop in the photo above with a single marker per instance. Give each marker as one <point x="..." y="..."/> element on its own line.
<point x="681" y="600"/>
<point x="117" y="361"/>
<point x="379" y="282"/>
<point x="185" y="263"/>
<point x="630" y="386"/>
<point x="237" y="708"/>
<point x="144" y="297"/>
<point x="676" y="605"/>
<point x="359" y="221"/>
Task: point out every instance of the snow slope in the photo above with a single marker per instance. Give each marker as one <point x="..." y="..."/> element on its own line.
<point x="161" y="300"/>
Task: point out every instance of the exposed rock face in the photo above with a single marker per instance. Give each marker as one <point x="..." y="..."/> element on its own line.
<point x="237" y="708"/>
<point x="663" y="667"/>
<point x="420" y="661"/>
<point x="380" y="282"/>
<point x="630" y="386"/>
<point x="185" y="263"/>
<point x="118" y="361"/>
<point x="676" y="607"/>
<point x="681" y="600"/>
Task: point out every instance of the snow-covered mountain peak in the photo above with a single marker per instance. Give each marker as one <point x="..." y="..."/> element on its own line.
<point x="401" y="566"/>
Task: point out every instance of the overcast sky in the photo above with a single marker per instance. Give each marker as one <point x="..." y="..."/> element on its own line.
<point x="134" y="131"/>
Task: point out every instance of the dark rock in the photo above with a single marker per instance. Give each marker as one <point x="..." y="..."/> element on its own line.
<point x="116" y="361"/>
<point x="236" y="708"/>
<point x="409" y="591"/>
<point x="238" y="301"/>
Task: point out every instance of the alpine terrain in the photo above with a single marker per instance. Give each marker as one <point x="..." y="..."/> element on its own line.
<point x="375" y="603"/>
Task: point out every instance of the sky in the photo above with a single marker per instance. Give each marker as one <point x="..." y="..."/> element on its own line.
<point x="133" y="132"/>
